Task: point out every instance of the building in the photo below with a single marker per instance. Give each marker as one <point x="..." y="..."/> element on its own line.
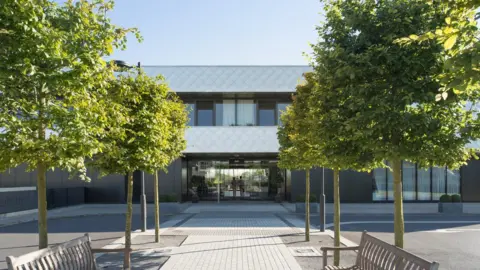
<point x="232" y="151"/>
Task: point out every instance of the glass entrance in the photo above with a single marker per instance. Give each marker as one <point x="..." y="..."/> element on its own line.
<point x="222" y="180"/>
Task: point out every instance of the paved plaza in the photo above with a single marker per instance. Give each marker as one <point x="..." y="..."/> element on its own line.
<point x="243" y="235"/>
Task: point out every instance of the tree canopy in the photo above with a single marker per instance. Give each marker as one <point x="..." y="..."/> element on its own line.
<point x="51" y="72"/>
<point x="150" y="124"/>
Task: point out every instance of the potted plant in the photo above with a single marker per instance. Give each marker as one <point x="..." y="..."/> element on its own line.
<point x="300" y="204"/>
<point x="450" y="204"/>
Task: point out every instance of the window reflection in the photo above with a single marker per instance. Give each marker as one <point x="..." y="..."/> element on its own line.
<point x="245" y="112"/>
<point x="225" y="113"/>
<point x="266" y="113"/>
<point x="205" y="113"/>
<point x="453" y="181"/>
<point x="423" y="184"/>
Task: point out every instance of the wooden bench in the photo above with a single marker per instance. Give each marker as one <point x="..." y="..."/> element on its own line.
<point x="375" y="254"/>
<point x="72" y="255"/>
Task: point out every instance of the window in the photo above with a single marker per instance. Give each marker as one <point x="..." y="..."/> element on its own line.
<point x="453" y="181"/>
<point x="438" y="181"/>
<point x="191" y="114"/>
<point x="408" y="180"/>
<point x="379" y="184"/>
<point x="423" y="184"/>
<point x="225" y="113"/>
<point x="245" y="112"/>
<point x="281" y="107"/>
<point x="266" y="113"/>
<point x="205" y="113"/>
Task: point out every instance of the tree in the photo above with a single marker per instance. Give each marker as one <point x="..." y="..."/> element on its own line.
<point x="177" y="117"/>
<point x="295" y="149"/>
<point x="330" y="140"/>
<point x="147" y="135"/>
<point x="459" y="37"/>
<point x="390" y="90"/>
<point x="51" y="75"/>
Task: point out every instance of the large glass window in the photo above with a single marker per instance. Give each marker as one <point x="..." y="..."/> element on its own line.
<point x="266" y="113"/>
<point x="408" y="181"/>
<point x="281" y="107"/>
<point x="438" y="181"/>
<point x="453" y="181"/>
<point x="225" y="113"/>
<point x="191" y="114"/>
<point x="205" y="113"/>
<point x="423" y="184"/>
<point x="245" y="112"/>
<point x="379" y="184"/>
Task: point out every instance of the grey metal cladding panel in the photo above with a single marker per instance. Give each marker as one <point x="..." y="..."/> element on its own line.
<point x="232" y="140"/>
<point x="230" y="78"/>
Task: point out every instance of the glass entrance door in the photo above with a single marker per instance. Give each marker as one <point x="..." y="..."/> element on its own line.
<point x="253" y="180"/>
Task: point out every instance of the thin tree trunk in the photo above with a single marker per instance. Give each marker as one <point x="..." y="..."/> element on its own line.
<point x="42" y="206"/>
<point x="398" y="201"/>
<point x="307" y="205"/>
<point x="42" y="182"/>
<point x="336" y="221"/>
<point x="128" y="223"/>
<point x="157" y="209"/>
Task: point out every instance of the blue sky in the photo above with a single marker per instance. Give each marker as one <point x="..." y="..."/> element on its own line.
<point x="218" y="32"/>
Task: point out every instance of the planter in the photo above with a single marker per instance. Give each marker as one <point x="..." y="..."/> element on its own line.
<point x="195" y="198"/>
<point x="450" y="208"/>
<point x="278" y="198"/>
<point x="300" y="207"/>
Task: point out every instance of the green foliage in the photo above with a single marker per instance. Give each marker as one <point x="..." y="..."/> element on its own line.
<point x="296" y="151"/>
<point x="383" y="96"/>
<point x="458" y="34"/>
<point x="301" y="198"/>
<point x="445" y="198"/>
<point x="456" y="198"/>
<point x="148" y="133"/>
<point x="52" y="73"/>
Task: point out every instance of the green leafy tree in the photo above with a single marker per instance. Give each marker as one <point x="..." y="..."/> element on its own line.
<point x="147" y="135"/>
<point x="177" y="118"/>
<point x="52" y="73"/>
<point x="388" y="91"/>
<point x="459" y="36"/>
<point x="330" y="139"/>
<point x="296" y="152"/>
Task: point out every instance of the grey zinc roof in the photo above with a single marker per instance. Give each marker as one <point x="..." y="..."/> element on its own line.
<point x="230" y="78"/>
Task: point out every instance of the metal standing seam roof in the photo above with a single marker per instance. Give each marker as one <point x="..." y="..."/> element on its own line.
<point x="218" y="79"/>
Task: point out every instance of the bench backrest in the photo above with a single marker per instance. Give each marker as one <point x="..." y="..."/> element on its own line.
<point x="377" y="254"/>
<point x="74" y="254"/>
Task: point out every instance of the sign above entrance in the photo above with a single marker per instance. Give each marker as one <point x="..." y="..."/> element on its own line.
<point x="236" y="162"/>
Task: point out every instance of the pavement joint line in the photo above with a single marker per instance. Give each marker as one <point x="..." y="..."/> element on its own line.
<point x="329" y="225"/>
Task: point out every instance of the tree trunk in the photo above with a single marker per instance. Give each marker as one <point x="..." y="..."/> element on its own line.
<point x="128" y="223"/>
<point x="307" y="205"/>
<point x="336" y="221"/>
<point x="157" y="209"/>
<point x="398" y="201"/>
<point x="42" y="206"/>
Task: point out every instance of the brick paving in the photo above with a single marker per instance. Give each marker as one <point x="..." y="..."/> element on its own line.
<point x="222" y="241"/>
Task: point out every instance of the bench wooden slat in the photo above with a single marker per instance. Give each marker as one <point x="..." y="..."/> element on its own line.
<point x="375" y="254"/>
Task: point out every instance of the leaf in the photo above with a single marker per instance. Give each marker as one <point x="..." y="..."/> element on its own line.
<point x="448" y="20"/>
<point x="445" y="95"/>
<point x="450" y="42"/>
<point x="438" y="97"/>
<point x="413" y="37"/>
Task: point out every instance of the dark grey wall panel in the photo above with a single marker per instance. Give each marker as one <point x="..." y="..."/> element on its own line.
<point x="17" y="201"/>
<point x="470" y="181"/>
<point x="108" y="189"/>
<point x="354" y="186"/>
